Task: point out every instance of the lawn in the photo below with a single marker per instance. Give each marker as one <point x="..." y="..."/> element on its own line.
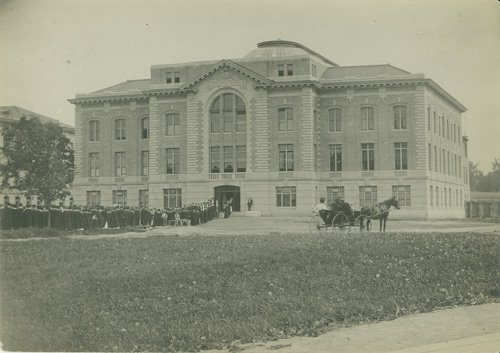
<point x="194" y="292"/>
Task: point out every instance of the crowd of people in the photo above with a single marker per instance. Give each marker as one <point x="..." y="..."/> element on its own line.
<point x="15" y="216"/>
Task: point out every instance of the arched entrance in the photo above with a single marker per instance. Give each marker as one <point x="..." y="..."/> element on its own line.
<point x="225" y="192"/>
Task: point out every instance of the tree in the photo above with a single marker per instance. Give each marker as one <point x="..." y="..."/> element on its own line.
<point x="475" y="176"/>
<point x="38" y="159"/>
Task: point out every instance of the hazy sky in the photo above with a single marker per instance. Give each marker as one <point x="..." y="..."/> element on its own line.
<point x="53" y="49"/>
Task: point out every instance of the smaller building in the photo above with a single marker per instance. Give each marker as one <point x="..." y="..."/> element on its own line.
<point x="11" y="114"/>
<point x="483" y="205"/>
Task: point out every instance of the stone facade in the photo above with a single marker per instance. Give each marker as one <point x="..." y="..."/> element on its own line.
<point x="277" y="135"/>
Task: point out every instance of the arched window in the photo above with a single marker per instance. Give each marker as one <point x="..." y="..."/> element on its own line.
<point x="145" y="128"/>
<point x="228" y="114"/>
<point x="120" y="129"/>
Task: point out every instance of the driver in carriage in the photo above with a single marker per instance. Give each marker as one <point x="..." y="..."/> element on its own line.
<point x="324" y="211"/>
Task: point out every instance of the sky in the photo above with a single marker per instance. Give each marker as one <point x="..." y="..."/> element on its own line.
<point x="51" y="50"/>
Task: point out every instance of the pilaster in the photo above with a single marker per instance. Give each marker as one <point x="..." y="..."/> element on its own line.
<point x="79" y="146"/>
<point x="262" y="132"/>
<point x="307" y="130"/>
<point x="154" y="137"/>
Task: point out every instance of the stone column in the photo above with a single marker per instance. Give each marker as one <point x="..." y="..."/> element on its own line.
<point x="194" y="136"/>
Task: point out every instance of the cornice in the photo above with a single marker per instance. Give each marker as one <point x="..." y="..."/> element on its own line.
<point x="106" y="98"/>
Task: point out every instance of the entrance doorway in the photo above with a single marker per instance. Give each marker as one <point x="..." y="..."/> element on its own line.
<point x="225" y="192"/>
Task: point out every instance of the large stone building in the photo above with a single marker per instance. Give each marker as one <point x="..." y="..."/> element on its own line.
<point x="11" y="114"/>
<point x="284" y="126"/>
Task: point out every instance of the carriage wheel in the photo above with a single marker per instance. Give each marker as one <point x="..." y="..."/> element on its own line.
<point x="361" y="223"/>
<point x="340" y="223"/>
<point x="316" y="225"/>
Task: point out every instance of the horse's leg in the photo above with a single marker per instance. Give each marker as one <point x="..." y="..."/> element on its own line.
<point x="385" y="221"/>
<point x="368" y="224"/>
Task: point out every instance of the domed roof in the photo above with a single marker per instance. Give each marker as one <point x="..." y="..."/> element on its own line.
<point x="275" y="49"/>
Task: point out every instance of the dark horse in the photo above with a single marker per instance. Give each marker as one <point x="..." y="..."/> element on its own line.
<point x="379" y="211"/>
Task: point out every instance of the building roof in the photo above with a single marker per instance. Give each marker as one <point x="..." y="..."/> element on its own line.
<point x="365" y="71"/>
<point x="12" y="113"/>
<point x="129" y="86"/>
<point x="278" y="49"/>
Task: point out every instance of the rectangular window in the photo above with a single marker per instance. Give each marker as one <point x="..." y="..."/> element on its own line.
<point x="400" y="118"/>
<point x="317" y="121"/>
<point x="368" y="156"/>
<point x="120" y="129"/>
<point x="445" y="198"/>
<point x="336" y="158"/>
<point x="144" y="198"/>
<point x="281" y="70"/>
<point x="401" y="155"/>
<point x="285" y="158"/>
<point x="94" y="130"/>
<point x="120" y="161"/>
<point x="431" y="196"/>
<point x="173" y="160"/>
<point x="430" y="156"/>
<point x="241" y="159"/>
<point x="169" y="77"/>
<point x="448" y="165"/>
<point x="145" y="163"/>
<point x="172" y="124"/>
<point x="215" y="159"/>
<point x="428" y="119"/>
<point x="120" y="197"/>
<point x="335" y="120"/>
<point x="94" y="165"/>
<point x="285" y="119"/>
<point x="442" y="126"/>
<point x="367" y="119"/>
<point x="145" y="128"/>
<point x="172" y="198"/>
<point x="313" y="70"/>
<point x="286" y="196"/>
<point x="459" y="133"/>
<point x="402" y="193"/>
<point x="435" y="159"/>
<point x="333" y="193"/>
<point x="437" y="196"/>
<point x="447" y="129"/>
<point x="228" y="159"/>
<point x="177" y="77"/>
<point x="459" y="167"/>
<point x="289" y="69"/>
<point x="367" y="195"/>
<point x="435" y="127"/>
<point x="93" y="198"/>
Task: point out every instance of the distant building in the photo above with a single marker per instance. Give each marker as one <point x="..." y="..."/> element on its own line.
<point x="11" y="114"/>
<point x="483" y="205"/>
<point x="284" y="126"/>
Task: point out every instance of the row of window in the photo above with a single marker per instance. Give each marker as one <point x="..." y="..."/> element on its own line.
<point x="445" y="197"/>
<point x="172" y="128"/>
<point x="286" y="196"/>
<point x="229" y="159"/>
<point x="446" y="130"/>
<point x="228" y="114"/>
<point x="445" y="162"/>
<point x="172" y="198"/>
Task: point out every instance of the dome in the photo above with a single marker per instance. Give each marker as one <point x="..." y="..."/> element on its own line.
<point x="275" y="49"/>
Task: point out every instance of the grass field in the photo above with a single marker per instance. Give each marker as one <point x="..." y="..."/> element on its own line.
<point x="194" y="292"/>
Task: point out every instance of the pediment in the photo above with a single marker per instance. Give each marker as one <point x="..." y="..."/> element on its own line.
<point x="227" y="71"/>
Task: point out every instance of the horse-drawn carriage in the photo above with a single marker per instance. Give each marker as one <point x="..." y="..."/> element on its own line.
<point x="341" y="218"/>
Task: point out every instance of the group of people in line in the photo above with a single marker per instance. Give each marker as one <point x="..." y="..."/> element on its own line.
<point x="15" y="216"/>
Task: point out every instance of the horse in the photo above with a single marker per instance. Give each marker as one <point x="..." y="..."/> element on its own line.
<point x="379" y="211"/>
